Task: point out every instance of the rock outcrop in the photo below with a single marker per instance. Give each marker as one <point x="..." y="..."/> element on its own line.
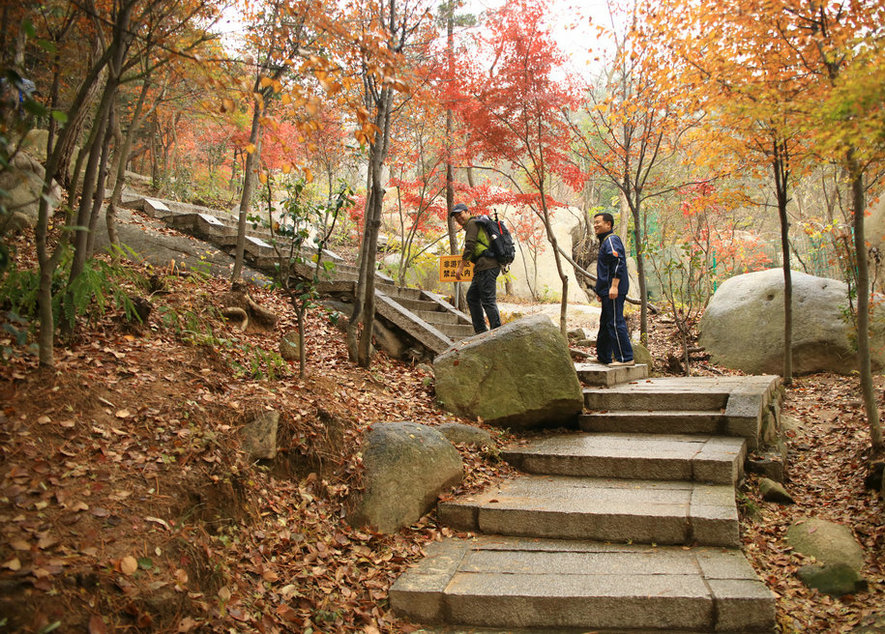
<point x="519" y="376"/>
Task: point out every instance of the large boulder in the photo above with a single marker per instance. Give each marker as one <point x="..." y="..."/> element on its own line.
<point x="518" y="376"/>
<point x="743" y="327"/>
<point x="407" y="466"/>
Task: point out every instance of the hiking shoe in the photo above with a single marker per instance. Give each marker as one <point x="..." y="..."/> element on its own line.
<point x="615" y="364"/>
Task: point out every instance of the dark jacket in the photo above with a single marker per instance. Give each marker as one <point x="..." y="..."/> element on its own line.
<point x="473" y="245"/>
<point x="612" y="262"/>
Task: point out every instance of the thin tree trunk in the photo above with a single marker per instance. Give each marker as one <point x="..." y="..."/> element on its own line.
<point x="98" y="197"/>
<point x="364" y="306"/>
<point x="248" y="184"/>
<point x="640" y="272"/>
<point x="858" y="202"/>
<point x="122" y="160"/>
<point x="89" y="181"/>
<point x="781" y="174"/>
<point x="563" y="276"/>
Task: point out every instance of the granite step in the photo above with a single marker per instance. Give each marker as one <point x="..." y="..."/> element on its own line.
<point x="657" y="395"/>
<point x="599" y="375"/>
<point x="564" y="507"/>
<point x="546" y="585"/>
<point x="416" y="305"/>
<point x="438" y="316"/>
<point x="713" y="459"/>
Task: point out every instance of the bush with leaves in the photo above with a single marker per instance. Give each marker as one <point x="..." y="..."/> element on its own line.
<point x="299" y="239"/>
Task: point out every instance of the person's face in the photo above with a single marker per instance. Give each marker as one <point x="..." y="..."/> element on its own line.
<point x="600" y="226"/>
<point x="461" y="218"/>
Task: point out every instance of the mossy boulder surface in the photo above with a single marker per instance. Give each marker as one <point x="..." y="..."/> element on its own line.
<point x="518" y="376"/>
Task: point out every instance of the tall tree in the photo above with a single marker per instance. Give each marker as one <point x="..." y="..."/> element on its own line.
<point x="395" y="24"/>
<point x="819" y="67"/>
<point x="512" y="107"/>
<point x="630" y="128"/>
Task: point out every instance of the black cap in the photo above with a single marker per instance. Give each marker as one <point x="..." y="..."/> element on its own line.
<point x="458" y="209"/>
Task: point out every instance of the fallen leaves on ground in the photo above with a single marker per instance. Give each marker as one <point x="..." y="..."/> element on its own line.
<point x="126" y="503"/>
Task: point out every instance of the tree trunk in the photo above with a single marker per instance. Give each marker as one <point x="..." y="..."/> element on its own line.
<point x="68" y="142"/>
<point x="364" y="306"/>
<point x="248" y="184"/>
<point x="96" y="140"/>
<point x="640" y="271"/>
<point x="98" y="197"/>
<point x="781" y="174"/>
<point x="858" y="202"/>
<point x="563" y="276"/>
<point x="121" y="161"/>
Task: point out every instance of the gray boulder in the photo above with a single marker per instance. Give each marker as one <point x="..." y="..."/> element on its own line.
<point x="260" y="436"/>
<point x="407" y="466"/>
<point x="828" y="542"/>
<point x="743" y="326"/>
<point x="520" y="376"/>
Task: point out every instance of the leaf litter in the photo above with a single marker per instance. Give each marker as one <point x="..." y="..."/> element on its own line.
<point x="125" y="501"/>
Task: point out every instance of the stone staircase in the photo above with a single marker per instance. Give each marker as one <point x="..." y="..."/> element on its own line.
<point x="426" y="317"/>
<point x="629" y="525"/>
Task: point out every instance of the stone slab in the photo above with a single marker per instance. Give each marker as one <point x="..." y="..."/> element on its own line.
<point x="567" y="585"/>
<point x="633" y="456"/>
<point x="644" y="396"/>
<point x="597" y="374"/>
<point x="650" y="422"/>
<point x="155" y="208"/>
<point x="661" y="512"/>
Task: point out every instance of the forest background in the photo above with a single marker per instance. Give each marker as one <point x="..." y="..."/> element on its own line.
<point x="725" y="137"/>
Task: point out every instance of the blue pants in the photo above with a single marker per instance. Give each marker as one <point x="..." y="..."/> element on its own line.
<point x="613" y="340"/>
<point x="481" y="295"/>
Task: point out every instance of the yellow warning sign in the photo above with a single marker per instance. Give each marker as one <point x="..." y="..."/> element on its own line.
<point x="448" y="264"/>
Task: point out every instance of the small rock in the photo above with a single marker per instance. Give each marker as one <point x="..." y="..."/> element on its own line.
<point x="260" y="436"/>
<point x="774" y="492"/>
<point x="835" y="580"/>
<point x="290" y="350"/>
<point x="828" y="542"/>
<point x="641" y="355"/>
<point x="467" y="434"/>
<point x="769" y="464"/>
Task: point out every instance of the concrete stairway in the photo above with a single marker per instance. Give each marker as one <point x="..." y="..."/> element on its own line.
<point x="608" y="530"/>
<point x="426" y="317"/>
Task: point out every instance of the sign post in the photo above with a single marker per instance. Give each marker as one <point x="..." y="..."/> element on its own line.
<point x="448" y="264"/>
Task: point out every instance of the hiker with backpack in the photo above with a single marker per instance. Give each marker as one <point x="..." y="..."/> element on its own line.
<point x="487" y="244"/>
<point x="613" y="345"/>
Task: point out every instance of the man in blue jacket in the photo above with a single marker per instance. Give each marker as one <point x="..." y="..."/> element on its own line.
<point x="612" y="283"/>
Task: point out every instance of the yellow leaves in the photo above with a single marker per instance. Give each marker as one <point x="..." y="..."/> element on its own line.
<point x="250" y="148"/>
<point x="275" y="84"/>
<point x="262" y="176"/>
